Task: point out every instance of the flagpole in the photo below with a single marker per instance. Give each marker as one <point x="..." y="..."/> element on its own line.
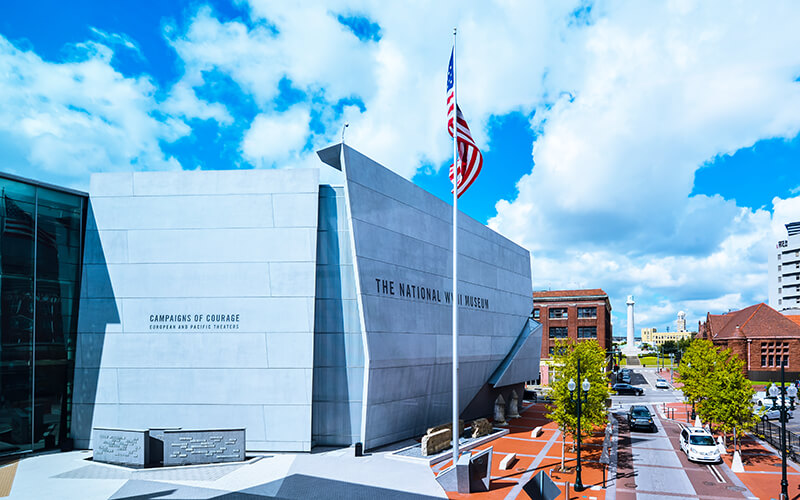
<point x="456" y="170"/>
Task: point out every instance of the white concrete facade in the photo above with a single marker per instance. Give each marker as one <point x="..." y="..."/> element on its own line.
<point x="265" y="300"/>
<point x="784" y="271"/>
<point x="199" y="244"/>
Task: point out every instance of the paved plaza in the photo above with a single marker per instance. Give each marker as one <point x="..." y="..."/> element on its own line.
<point x="644" y="466"/>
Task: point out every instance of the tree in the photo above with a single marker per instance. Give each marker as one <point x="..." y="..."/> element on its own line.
<point x="565" y="362"/>
<point x="668" y="347"/>
<point x="728" y="402"/>
<point x="696" y="366"/>
<point x="715" y="382"/>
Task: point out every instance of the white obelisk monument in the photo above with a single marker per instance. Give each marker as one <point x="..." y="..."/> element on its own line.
<point x="630" y="349"/>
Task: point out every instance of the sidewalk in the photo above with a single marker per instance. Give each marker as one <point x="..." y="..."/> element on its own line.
<point x="762" y="463"/>
<point x="536" y="454"/>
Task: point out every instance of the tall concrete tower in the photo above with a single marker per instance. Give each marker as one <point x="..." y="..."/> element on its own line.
<point x="681" y="321"/>
<point x="630" y="349"/>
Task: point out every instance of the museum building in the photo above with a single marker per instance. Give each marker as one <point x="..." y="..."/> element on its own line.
<point x="307" y="312"/>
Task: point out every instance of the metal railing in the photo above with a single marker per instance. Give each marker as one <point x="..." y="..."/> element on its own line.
<point x="771" y="433"/>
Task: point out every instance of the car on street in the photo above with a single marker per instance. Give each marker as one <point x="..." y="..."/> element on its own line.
<point x="774" y="413"/>
<point x="624" y="376"/>
<point x="699" y="445"/>
<point x="627" y="389"/>
<point x="639" y="416"/>
<point x="662" y="384"/>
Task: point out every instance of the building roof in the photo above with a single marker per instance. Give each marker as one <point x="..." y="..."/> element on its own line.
<point x="759" y="320"/>
<point x="560" y="294"/>
<point x="794" y="318"/>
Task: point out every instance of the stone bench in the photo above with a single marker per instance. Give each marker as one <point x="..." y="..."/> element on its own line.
<point x="536" y="432"/>
<point x="508" y="461"/>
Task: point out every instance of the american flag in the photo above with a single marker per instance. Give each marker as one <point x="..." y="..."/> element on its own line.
<point x="471" y="159"/>
<point x="18" y="222"/>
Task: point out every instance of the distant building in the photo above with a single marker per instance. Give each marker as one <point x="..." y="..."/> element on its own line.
<point x="653" y="337"/>
<point x="573" y="314"/>
<point x="761" y="336"/>
<point x="784" y="271"/>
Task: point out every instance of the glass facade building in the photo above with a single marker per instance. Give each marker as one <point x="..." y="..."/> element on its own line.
<point x="41" y="244"/>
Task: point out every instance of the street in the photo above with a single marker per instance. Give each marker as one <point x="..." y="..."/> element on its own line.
<point x="651" y="463"/>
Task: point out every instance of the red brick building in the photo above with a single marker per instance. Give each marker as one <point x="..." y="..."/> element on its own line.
<point x="574" y="314"/>
<point x="761" y="336"/>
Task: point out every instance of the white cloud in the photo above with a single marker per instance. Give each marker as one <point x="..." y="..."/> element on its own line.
<point x="630" y="101"/>
<point x="62" y="121"/>
<point x="273" y="138"/>
<point x="655" y="91"/>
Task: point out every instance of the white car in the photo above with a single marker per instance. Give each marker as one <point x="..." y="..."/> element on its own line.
<point x="662" y="384"/>
<point x="699" y="445"/>
<point x="774" y="413"/>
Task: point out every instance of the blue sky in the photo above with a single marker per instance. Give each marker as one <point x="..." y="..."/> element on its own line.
<point x="621" y="158"/>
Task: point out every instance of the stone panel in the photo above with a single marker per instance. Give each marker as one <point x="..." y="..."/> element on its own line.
<point x="189" y="447"/>
<point x="121" y="446"/>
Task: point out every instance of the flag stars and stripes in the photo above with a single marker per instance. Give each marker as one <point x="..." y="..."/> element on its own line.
<point x="470" y="159"/>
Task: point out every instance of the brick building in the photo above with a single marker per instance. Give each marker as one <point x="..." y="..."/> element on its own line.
<point x="574" y="314"/>
<point x="761" y="336"/>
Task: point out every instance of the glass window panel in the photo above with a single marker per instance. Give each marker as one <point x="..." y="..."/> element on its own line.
<point x="16" y="356"/>
<point x="57" y="267"/>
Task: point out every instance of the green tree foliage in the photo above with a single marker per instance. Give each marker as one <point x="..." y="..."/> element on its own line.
<point x="565" y="364"/>
<point x="728" y="402"/>
<point x="697" y="363"/>
<point x="668" y="347"/>
<point x="714" y="381"/>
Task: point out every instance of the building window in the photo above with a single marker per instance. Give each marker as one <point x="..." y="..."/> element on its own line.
<point x="780" y="289"/>
<point x="779" y="256"/>
<point x="558" y="332"/>
<point x="551" y="350"/>
<point x="535" y="314"/>
<point x="587" y="312"/>
<point x="779" y="267"/>
<point x="558" y="313"/>
<point x="779" y="279"/>
<point x="774" y="353"/>
<point x="587" y="332"/>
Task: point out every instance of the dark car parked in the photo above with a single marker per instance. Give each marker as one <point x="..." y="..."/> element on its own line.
<point x="627" y="389"/>
<point x="625" y="377"/>
<point x="640" y="417"/>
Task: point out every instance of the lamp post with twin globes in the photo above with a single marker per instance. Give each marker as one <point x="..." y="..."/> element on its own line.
<point x="791" y="391"/>
<point x="579" y="400"/>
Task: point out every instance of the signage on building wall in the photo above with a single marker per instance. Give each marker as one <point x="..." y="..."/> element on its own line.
<point x="201" y="321"/>
<point x="782" y="244"/>
<point x="424" y="293"/>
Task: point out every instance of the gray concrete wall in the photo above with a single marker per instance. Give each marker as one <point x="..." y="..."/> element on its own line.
<point x="338" y="347"/>
<point x="403" y="236"/>
<point x="201" y="243"/>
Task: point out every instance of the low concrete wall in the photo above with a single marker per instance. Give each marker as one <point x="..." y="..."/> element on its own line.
<point x="185" y="447"/>
<point x="121" y="446"/>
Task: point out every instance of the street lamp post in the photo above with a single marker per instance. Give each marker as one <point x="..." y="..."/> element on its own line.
<point x="694" y="415"/>
<point x="672" y="367"/>
<point x="784" y="415"/>
<point x="579" y="400"/>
